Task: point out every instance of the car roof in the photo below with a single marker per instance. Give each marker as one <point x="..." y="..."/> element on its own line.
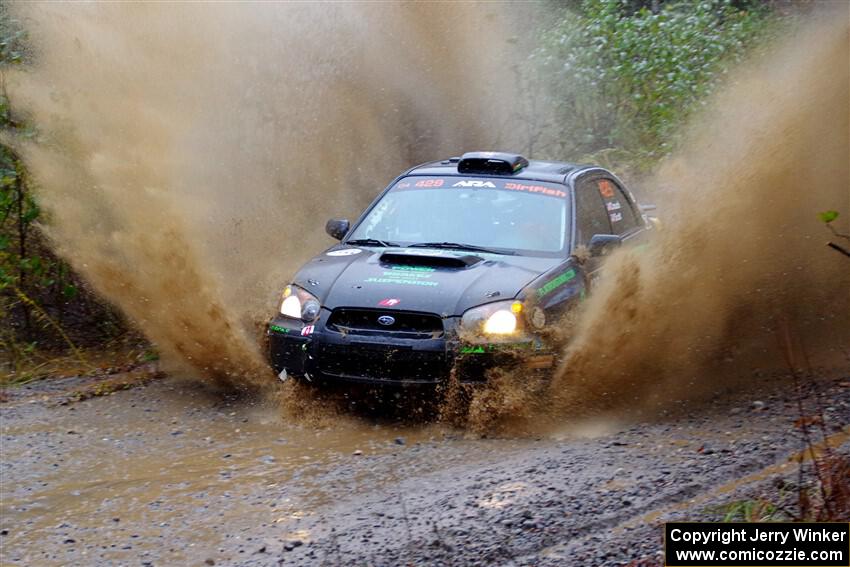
<point x="537" y="170"/>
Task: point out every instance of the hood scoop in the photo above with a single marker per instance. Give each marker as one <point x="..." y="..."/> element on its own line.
<point x="434" y="259"/>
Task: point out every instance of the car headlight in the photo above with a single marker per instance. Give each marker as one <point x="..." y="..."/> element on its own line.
<point x="498" y="319"/>
<point x="502" y="322"/>
<point x="299" y="304"/>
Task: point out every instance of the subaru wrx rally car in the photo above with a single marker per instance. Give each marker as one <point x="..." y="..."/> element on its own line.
<point x="456" y="263"/>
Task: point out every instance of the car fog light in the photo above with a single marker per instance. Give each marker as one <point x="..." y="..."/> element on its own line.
<point x="310" y="310"/>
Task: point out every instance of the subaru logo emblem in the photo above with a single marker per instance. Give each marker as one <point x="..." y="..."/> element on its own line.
<point x="386" y="320"/>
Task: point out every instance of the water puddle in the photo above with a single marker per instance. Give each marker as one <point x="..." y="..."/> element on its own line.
<point x="165" y="468"/>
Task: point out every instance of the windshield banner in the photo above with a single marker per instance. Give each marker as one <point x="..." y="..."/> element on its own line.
<point x="535" y="187"/>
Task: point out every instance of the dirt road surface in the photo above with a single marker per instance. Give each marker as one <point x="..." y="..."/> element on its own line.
<point x="171" y="474"/>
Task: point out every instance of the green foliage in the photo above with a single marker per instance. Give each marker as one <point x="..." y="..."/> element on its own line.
<point x="31" y="277"/>
<point x="43" y="308"/>
<point x="828" y="216"/>
<point x="625" y="80"/>
<point x="13" y="39"/>
<point x="17" y="208"/>
<point x="751" y="511"/>
<point x="149" y="355"/>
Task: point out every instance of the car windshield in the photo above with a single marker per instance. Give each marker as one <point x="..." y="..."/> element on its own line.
<point x="528" y="217"/>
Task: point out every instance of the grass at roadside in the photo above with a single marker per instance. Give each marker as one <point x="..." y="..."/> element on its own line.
<point x="139" y="376"/>
<point x="112" y="358"/>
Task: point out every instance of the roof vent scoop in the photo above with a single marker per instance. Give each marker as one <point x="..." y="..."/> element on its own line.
<point x="492" y="163"/>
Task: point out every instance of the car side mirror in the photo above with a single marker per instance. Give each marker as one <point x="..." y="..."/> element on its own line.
<point x="337" y="228"/>
<point x="603" y="244"/>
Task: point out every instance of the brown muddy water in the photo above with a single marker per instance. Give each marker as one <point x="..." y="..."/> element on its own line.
<point x="174" y="474"/>
<point x="188" y="200"/>
<point x="191" y="154"/>
<point x="187" y="177"/>
<point x="135" y="473"/>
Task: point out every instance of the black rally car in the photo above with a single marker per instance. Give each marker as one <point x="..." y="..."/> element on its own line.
<point x="455" y="264"/>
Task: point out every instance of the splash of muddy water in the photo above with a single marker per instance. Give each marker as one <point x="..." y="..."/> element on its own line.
<point x="742" y="252"/>
<point x="193" y="152"/>
<point x="742" y="245"/>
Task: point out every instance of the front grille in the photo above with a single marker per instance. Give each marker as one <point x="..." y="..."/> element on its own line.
<point x="405" y="324"/>
<point x="382" y="362"/>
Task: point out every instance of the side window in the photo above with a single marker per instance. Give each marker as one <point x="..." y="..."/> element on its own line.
<point x="617" y="206"/>
<point x="591" y="216"/>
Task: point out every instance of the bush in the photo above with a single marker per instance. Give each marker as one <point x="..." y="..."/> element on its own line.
<point x="42" y="302"/>
<point x="624" y="80"/>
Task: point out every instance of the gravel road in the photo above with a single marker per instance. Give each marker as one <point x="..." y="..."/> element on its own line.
<point x="172" y="474"/>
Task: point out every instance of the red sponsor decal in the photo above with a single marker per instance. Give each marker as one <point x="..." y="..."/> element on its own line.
<point x="606" y="188"/>
<point x="389" y="302"/>
<point x="430" y="183"/>
<point x="307" y="331"/>
<point x="403" y="185"/>
<point x="535" y="189"/>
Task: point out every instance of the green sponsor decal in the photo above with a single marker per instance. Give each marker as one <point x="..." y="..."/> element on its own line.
<point x="406" y="275"/>
<point x="413" y="268"/>
<point x="556" y="283"/>
<point x="481" y="349"/>
<point x="278" y="329"/>
<point x="401" y="281"/>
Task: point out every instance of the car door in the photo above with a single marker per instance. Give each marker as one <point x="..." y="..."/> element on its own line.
<point x="591" y="218"/>
<point x="626" y="221"/>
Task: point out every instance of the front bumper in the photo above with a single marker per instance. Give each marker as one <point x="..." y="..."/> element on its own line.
<point x="321" y="354"/>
